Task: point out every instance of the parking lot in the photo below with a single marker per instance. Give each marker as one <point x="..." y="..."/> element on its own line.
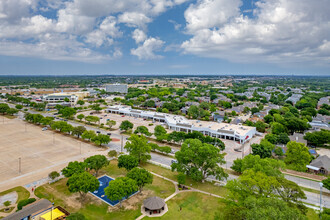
<point x="104" y="117"/>
<point x="39" y="152"/>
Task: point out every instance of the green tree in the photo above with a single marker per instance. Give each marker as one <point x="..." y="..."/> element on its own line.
<point x="141" y="176"/>
<point x="120" y="188"/>
<point x="67" y="112"/>
<point x="82" y="183"/>
<point x="268" y="119"/>
<point x="126" y="125"/>
<point x="138" y="147"/>
<point x="74" y="167"/>
<point x="193" y="111"/>
<point x="11" y="111"/>
<point x="111" y="123"/>
<point x="80" y="102"/>
<point x="3" y="108"/>
<point x="19" y="107"/>
<point x="81" y="116"/>
<point x="96" y="162"/>
<point x="199" y="160"/>
<point x="88" y="135"/>
<point x="142" y="130"/>
<point x="101" y="139"/>
<point x="254" y="110"/>
<point x="270" y="167"/>
<point x="264" y="149"/>
<point x="260" y="126"/>
<point x="128" y="162"/>
<point x="283" y="138"/>
<point x="318" y="138"/>
<point x="78" y="131"/>
<point x="181" y="179"/>
<point x="160" y="133"/>
<point x="47" y="120"/>
<point x="326" y="183"/>
<point x="297" y="156"/>
<point x="278" y="128"/>
<point x="62" y="126"/>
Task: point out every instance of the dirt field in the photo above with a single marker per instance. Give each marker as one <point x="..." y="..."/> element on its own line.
<point x="40" y="151"/>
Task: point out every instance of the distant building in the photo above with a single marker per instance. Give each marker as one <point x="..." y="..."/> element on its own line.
<point x="119" y="88"/>
<point x="324" y="100"/>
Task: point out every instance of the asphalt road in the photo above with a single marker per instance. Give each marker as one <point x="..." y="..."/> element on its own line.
<point x="312" y="198"/>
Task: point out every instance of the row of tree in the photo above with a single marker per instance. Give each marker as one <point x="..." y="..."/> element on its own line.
<point x="63" y="126"/>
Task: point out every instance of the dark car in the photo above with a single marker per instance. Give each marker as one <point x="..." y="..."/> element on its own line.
<point x="98" y="132"/>
<point x="109" y="134"/>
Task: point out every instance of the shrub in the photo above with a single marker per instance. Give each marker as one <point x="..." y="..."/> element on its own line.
<point x="53" y="175"/>
<point x="151" y="124"/>
<point x="112" y="153"/>
<point x="7" y="203"/>
<point x="25" y="202"/>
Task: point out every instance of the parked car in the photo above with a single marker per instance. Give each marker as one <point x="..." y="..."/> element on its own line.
<point x="98" y="132"/>
<point x="174" y="161"/>
<point x="109" y="134"/>
<point x="44" y="129"/>
<point x="123" y="116"/>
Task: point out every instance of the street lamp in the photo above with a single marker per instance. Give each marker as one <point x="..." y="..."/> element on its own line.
<point x="321" y="185"/>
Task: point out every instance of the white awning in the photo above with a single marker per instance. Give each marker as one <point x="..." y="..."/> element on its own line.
<point x="313" y="168"/>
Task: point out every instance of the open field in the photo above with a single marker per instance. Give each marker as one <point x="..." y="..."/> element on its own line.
<point x="192" y="205"/>
<point x="40" y="152"/>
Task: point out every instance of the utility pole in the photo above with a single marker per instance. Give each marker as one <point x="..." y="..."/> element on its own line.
<point x="19" y="165"/>
<point x="321" y="185"/>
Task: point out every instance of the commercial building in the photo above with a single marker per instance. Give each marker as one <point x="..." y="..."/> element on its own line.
<point x="179" y="123"/>
<point x="119" y="88"/>
<point x="64" y="98"/>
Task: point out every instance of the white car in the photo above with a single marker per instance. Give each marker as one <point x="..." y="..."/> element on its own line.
<point x="44" y="128"/>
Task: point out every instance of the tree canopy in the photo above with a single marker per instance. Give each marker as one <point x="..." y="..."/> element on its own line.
<point x="141" y="176"/>
<point x="199" y="160"/>
<point x="138" y="147"/>
<point x="128" y="162"/>
<point x="83" y="183"/>
<point x="297" y="156"/>
<point x="96" y="162"/>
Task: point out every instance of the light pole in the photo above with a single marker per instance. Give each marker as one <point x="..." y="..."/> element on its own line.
<point x="321" y="185"/>
<point x="53" y="138"/>
<point x="80" y="147"/>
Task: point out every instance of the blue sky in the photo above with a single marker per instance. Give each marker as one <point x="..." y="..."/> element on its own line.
<point x="164" y="37"/>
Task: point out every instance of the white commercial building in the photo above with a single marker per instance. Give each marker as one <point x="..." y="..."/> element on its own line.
<point x="119" y="88"/>
<point x="179" y="123"/>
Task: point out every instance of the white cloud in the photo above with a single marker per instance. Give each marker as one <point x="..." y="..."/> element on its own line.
<point x="134" y="19"/>
<point x="78" y="29"/>
<point x="281" y="31"/>
<point x="139" y="36"/>
<point x="148" y="48"/>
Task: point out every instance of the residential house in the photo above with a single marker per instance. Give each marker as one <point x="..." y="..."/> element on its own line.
<point x="320" y="165"/>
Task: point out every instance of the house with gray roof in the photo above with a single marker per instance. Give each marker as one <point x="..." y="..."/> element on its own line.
<point x="320" y="165"/>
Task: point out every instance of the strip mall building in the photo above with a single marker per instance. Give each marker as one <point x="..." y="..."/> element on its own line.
<point x="180" y="123"/>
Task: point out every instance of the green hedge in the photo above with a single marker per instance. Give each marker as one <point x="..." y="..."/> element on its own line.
<point x="25" y="202"/>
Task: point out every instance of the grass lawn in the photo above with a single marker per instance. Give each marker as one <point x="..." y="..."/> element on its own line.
<point x="206" y="186"/>
<point x="21" y="192"/>
<point x="94" y="208"/>
<point x="193" y="205"/>
<point x="312" y="215"/>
